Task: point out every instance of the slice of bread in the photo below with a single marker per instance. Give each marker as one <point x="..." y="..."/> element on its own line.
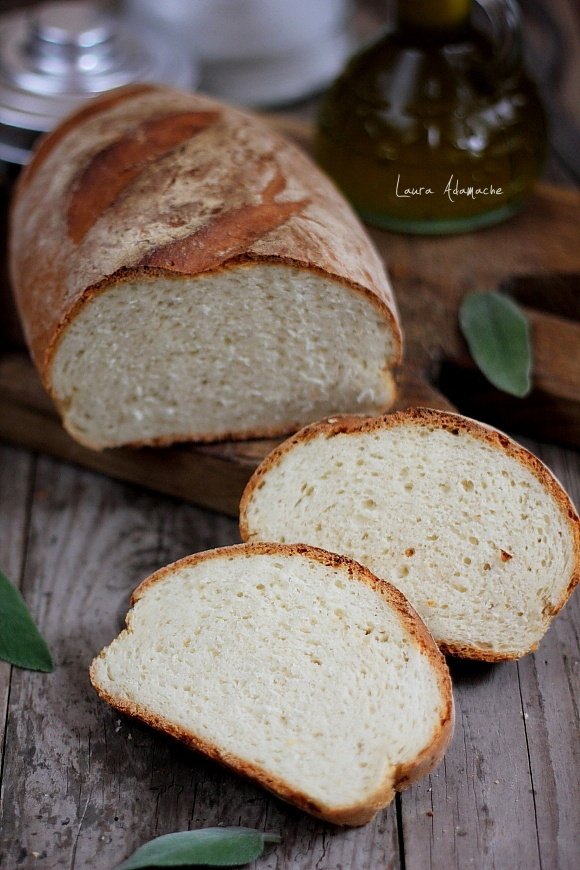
<point x="472" y="528"/>
<point x="293" y="666"/>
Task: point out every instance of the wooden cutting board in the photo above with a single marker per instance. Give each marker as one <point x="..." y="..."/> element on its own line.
<point x="535" y="256"/>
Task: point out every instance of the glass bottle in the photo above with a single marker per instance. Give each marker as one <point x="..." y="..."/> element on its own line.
<point x="435" y="127"/>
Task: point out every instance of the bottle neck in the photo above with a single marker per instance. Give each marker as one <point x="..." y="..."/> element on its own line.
<point x="440" y="18"/>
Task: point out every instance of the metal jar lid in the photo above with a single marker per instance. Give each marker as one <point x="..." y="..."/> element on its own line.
<point x="56" y="55"/>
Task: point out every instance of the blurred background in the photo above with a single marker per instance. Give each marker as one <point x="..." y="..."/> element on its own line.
<point x="281" y="55"/>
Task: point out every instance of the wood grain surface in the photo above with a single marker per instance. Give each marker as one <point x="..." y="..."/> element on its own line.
<point x="82" y="787"/>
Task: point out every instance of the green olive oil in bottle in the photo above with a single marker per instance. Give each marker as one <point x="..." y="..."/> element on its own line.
<point x="436" y="128"/>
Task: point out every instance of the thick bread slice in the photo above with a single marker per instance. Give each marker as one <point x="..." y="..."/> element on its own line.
<point x="184" y="273"/>
<point x="472" y="528"/>
<point x="293" y="666"/>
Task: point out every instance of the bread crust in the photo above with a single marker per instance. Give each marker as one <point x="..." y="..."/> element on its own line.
<point x="455" y="423"/>
<point x="178" y="204"/>
<point x="396" y="778"/>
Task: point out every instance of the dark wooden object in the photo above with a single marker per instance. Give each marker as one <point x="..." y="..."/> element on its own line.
<point x="536" y="258"/>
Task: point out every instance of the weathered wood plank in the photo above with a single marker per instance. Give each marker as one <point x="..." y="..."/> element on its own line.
<point x="477" y="810"/>
<point x="16" y="472"/>
<point x="83" y="787"/>
<point x="97" y="785"/>
<point x="550" y="691"/>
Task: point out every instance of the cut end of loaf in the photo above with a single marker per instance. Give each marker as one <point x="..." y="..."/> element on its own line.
<point x="290" y="665"/>
<point x="471" y="527"/>
<point x="156" y="358"/>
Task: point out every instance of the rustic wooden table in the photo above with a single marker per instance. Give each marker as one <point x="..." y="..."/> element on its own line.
<point x="82" y="787"/>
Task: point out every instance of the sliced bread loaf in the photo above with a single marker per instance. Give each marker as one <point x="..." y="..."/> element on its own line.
<point x="293" y="666"/>
<point x="183" y="273"/>
<point x="472" y="528"/>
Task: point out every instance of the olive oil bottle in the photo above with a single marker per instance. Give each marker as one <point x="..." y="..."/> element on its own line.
<point x="435" y="127"/>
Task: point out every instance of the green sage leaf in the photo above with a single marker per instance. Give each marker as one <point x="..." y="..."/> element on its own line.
<point x="21" y="643"/>
<point x="498" y="336"/>
<point x="206" y="847"/>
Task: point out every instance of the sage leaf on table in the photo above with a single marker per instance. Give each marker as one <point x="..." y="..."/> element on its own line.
<point x="206" y="847"/>
<point x="498" y="336"/>
<point x="21" y="643"/>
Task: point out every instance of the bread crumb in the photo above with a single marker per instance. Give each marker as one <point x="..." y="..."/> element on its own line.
<point x="505" y="556"/>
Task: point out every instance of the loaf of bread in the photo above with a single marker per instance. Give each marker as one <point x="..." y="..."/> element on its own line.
<point x="184" y="273"/>
<point x="470" y="526"/>
<point x="290" y="665"/>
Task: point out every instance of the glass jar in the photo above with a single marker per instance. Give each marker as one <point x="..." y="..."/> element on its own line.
<point x="436" y="128"/>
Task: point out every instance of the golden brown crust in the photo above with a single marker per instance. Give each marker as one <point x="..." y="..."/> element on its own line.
<point x="48" y="143"/>
<point x="111" y="171"/>
<point x="229" y="235"/>
<point x="232" y="193"/>
<point x="396" y="779"/>
<point x="455" y="423"/>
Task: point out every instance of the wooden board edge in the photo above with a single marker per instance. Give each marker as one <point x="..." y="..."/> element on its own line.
<point x="182" y="471"/>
